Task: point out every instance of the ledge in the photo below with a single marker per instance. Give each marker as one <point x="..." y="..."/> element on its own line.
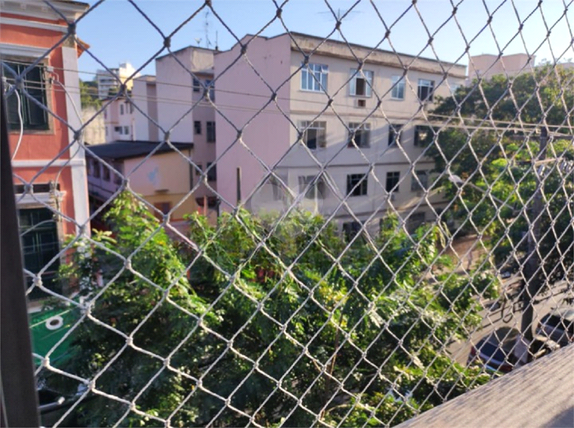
<point x="540" y="394"/>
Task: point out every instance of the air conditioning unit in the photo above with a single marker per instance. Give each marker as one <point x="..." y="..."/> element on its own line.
<point x="361" y="103"/>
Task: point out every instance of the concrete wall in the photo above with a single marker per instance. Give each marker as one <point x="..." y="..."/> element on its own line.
<point x="116" y="121"/>
<point x="95" y="132"/>
<point x="144" y="97"/>
<point x="490" y="65"/>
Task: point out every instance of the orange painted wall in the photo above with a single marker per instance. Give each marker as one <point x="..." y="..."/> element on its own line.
<point x="50" y="144"/>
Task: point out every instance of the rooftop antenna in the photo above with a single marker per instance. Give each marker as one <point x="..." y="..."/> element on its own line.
<point x="206" y="27"/>
<point x="340" y="14"/>
<point x="216" y="41"/>
<point x="198" y="40"/>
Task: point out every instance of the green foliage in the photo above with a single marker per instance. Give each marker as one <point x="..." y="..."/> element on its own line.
<point x="287" y="310"/>
<point x="89" y="94"/>
<point x="501" y="164"/>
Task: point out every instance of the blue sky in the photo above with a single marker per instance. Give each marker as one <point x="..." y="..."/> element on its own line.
<point x="117" y="32"/>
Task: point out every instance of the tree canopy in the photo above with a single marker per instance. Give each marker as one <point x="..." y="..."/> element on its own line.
<point x="495" y="149"/>
<point x="260" y="321"/>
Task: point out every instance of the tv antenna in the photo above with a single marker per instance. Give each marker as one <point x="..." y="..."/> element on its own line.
<point x="206" y="29"/>
<point x="339" y="16"/>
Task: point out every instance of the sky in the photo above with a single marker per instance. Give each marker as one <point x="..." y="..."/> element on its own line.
<point x="117" y="32"/>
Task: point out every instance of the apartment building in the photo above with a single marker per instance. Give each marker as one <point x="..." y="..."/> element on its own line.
<point x="488" y="65"/>
<point x="119" y="119"/>
<point x="49" y="173"/>
<point x="183" y="82"/>
<point x="342" y="140"/>
<point x="112" y="78"/>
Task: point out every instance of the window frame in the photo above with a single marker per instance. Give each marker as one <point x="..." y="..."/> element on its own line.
<point x="211" y="172"/>
<point x="197" y="127"/>
<point x="424" y="183"/>
<point x="359" y="129"/>
<point x="398" y="84"/>
<point x="210" y="131"/>
<point x="121" y="109"/>
<point x="315" y="191"/>
<point x="392" y="182"/>
<point x="19" y="65"/>
<point x="426" y="83"/>
<point x="317" y="75"/>
<point x="368" y="84"/>
<point x="320" y="140"/>
<point x="357" y="185"/>
<point x="422" y="142"/>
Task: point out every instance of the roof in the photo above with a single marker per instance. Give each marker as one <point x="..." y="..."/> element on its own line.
<point x="132" y="149"/>
<point x="183" y="49"/>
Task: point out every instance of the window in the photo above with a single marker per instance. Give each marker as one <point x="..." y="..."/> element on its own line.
<point x="197" y="127"/>
<point x="357" y="184"/>
<point x="105" y="113"/>
<point x="314" y="77"/>
<point x="131" y="108"/>
<point x="126" y="130"/>
<point x="423" y="135"/>
<point x="40" y="244"/>
<point x="395" y="133"/>
<point x="163" y="207"/>
<point x="360" y="134"/>
<point x="106" y="174"/>
<point x="211" y="172"/>
<point x="118" y="129"/>
<point x="314" y="134"/>
<point x="210" y="132"/>
<point x="121" y="109"/>
<point x="276" y="188"/>
<point x="351" y="229"/>
<point x="196" y="85"/>
<point x="96" y="168"/>
<point x="421" y="183"/>
<point x="362" y="83"/>
<point x="426" y="89"/>
<point x="209" y="85"/>
<point x="33" y="116"/>
<point x="315" y="191"/>
<point x="199" y="169"/>
<point x="392" y="184"/>
<point x="398" y="91"/>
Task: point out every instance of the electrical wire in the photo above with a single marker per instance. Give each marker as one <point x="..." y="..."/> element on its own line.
<point x="20" y="118"/>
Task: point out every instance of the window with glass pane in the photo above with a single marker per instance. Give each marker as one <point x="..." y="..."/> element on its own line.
<point x="360" y="133"/>
<point x="197" y="127"/>
<point x="426" y="89"/>
<point x="361" y="83"/>
<point x="421" y="183"/>
<point x="357" y="184"/>
<point x="34" y="117"/>
<point x="211" y="172"/>
<point x="210" y="126"/>
<point x="398" y="91"/>
<point x="316" y="190"/>
<point x="40" y="245"/>
<point x="423" y="135"/>
<point x="314" y="77"/>
<point x="314" y="134"/>
<point x="392" y="184"/>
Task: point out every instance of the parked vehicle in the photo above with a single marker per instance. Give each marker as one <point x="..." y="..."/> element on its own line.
<point x="495" y="350"/>
<point x="558" y="325"/>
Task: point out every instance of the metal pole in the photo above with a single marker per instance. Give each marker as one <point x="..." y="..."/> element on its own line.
<point x="18" y="396"/>
<point x="532" y="262"/>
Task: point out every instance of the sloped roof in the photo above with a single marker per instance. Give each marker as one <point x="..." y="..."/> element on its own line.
<point x="133" y="149"/>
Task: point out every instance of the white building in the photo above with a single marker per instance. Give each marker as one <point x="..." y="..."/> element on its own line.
<point x="111" y="79"/>
<point x="338" y="140"/>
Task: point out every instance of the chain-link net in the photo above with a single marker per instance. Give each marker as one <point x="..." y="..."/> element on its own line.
<point x="368" y="234"/>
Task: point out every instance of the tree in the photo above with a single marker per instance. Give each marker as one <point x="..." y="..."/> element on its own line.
<point x="89" y="94"/>
<point x="499" y="166"/>
<point x="278" y="322"/>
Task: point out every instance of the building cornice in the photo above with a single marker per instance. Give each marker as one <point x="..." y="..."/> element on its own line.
<point x="36" y="9"/>
<point x="33" y="24"/>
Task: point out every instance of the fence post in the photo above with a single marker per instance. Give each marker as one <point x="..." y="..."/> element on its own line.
<point x="19" y="401"/>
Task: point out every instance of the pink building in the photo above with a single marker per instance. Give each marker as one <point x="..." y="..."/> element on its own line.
<point x="353" y="158"/>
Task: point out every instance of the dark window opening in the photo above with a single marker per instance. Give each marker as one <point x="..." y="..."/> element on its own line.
<point x="211" y="172"/>
<point x="392" y="184"/>
<point x="357" y="184"/>
<point x="34" y="117"/>
<point x="197" y="127"/>
<point x="395" y="133"/>
<point x="210" y="132"/>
